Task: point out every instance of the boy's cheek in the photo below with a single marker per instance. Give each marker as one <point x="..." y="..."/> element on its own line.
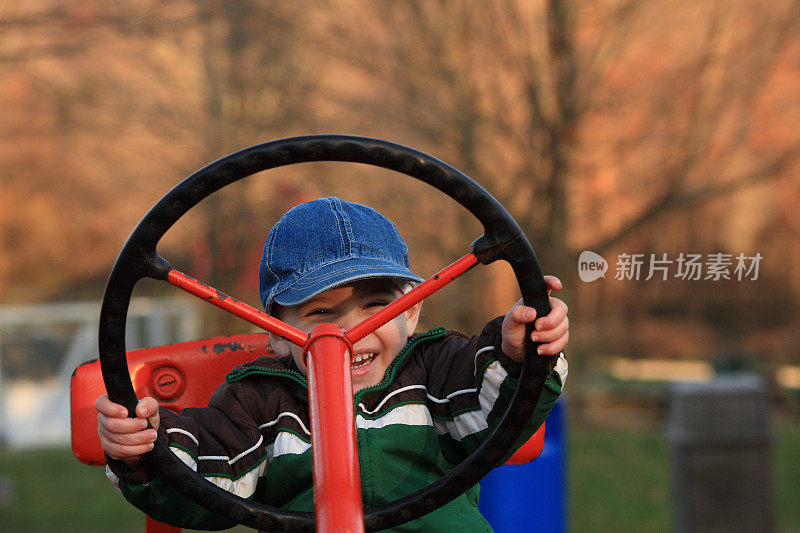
<point x="297" y="355"/>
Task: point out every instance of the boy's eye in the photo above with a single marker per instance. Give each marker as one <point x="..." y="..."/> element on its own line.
<point x="378" y="303"/>
<point x="318" y="312"/>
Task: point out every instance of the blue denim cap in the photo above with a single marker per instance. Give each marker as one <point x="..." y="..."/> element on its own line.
<point x="325" y="243"/>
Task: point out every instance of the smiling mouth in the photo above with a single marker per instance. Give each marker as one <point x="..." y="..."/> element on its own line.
<point x="361" y="360"/>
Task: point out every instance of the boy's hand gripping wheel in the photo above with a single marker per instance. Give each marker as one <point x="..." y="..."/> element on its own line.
<point x="336" y="475"/>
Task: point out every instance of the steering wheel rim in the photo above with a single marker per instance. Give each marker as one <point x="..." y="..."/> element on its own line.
<point x="502" y="239"/>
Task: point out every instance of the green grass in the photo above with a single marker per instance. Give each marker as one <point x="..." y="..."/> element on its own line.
<point x="619" y="481"/>
<point x="52" y="491"/>
<point x="787" y="479"/>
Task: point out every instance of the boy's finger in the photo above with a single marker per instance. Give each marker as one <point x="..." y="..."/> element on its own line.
<point x="558" y="311"/>
<point x="522" y="314"/>
<point x="553" y="334"/>
<point x="553" y="284"/>
<point x="121" y="425"/>
<point x="556" y="347"/>
<point x="118" y="451"/>
<point x="127" y="439"/>
<point x="109" y="408"/>
<point x="146" y="407"/>
<point x="154" y="420"/>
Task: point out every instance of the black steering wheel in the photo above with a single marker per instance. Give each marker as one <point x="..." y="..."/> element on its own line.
<point x="502" y="239"/>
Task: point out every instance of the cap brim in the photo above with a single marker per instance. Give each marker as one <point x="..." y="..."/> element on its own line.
<point x="332" y="275"/>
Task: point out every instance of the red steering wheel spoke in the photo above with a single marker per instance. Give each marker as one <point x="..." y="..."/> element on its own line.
<point x="412" y="297"/>
<point x="236" y="307"/>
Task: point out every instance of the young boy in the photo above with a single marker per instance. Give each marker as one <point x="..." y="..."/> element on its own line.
<point x="424" y="402"/>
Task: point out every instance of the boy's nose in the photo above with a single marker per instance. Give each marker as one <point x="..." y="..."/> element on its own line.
<point x="346" y="322"/>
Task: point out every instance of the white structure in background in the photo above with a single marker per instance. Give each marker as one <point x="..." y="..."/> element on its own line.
<point x="41" y="345"/>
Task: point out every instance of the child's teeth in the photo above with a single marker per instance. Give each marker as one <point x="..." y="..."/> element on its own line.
<point x="366" y="357"/>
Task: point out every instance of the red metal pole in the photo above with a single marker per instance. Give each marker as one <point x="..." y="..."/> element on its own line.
<point x="235" y="307"/>
<point x="337" y="482"/>
<point x="412" y="297"/>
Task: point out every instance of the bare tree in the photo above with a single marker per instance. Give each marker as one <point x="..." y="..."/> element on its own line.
<point x="701" y="114"/>
<point x="494" y="89"/>
<point x="79" y="93"/>
<point x="598" y="125"/>
<point x="254" y="90"/>
<point x="126" y="100"/>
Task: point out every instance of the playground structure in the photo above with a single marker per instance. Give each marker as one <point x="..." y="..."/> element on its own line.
<point x="41" y="344"/>
<point x="327" y="347"/>
<point x="185" y="374"/>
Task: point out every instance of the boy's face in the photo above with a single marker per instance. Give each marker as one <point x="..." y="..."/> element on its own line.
<point x="346" y="306"/>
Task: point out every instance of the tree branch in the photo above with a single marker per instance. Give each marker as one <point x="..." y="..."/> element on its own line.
<point x="675" y="198"/>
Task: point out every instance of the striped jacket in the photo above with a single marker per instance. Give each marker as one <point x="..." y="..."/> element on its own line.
<point x="440" y="397"/>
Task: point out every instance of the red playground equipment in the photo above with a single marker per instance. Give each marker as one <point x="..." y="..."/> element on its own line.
<point x="186" y="374"/>
<point x="183" y="375"/>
